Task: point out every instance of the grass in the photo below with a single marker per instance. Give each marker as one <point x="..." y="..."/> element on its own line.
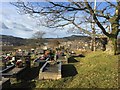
<point x="95" y="70"/>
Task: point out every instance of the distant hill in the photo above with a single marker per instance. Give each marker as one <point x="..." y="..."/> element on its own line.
<point x="76" y="37"/>
<point x="11" y="40"/>
<point x="17" y="41"/>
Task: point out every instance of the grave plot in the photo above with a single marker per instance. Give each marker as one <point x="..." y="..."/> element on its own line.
<point x="38" y="62"/>
<point x="13" y="72"/>
<point x="50" y="70"/>
<point x="7" y="68"/>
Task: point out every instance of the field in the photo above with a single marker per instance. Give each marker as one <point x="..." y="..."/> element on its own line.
<point x="95" y="70"/>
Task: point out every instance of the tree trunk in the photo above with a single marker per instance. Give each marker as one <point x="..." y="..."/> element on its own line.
<point x="93" y="46"/>
<point x="103" y="47"/>
<point x="114" y="42"/>
<point x="112" y="46"/>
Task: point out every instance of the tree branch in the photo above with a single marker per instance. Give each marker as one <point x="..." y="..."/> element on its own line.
<point x="95" y="19"/>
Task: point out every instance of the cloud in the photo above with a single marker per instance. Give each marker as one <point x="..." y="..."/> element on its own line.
<point x="21" y="27"/>
<point x="4" y="26"/>
<point x="24" y="25"/>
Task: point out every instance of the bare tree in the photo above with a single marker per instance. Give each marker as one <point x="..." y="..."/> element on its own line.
<point x="38" y="34"/>
<point x="39" y="37"/>
<point x="62" y="14"/>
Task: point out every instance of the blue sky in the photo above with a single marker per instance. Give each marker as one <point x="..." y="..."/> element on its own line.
<point x="24" y="25"/>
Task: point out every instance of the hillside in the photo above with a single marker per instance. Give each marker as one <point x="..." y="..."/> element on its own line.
<point x="10" y="40"/>
<point x="75" y="37"/>
<point x="96" y="70"/>
<point x="17" y="41"/>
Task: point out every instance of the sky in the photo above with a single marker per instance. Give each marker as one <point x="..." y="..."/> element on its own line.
<point x="24" y="26"/>
<point x="15" y="24"/>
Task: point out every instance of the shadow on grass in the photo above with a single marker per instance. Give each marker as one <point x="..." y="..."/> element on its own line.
<point x="68" y="70"/>
<point x="80" y="55"/>
<point x="22" y="85"/>
<point x="72" y="60"/>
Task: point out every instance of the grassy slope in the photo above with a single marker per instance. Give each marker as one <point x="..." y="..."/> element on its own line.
<point x="96" y="70"/>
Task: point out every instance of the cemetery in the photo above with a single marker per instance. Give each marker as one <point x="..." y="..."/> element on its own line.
<point x="43" y="64"/>
<point x="49" y="62"/>
<point x="60" y="44"/>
